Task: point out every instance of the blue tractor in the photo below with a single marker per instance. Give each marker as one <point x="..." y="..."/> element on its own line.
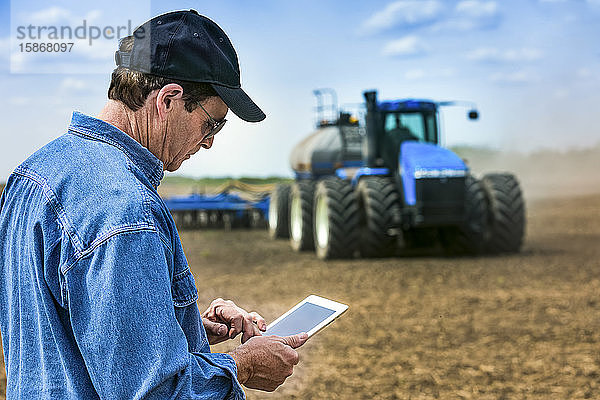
<point x="386" y="185"/>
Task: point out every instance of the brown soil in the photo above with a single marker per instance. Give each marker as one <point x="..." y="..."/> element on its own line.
<point x="508" y="327"/>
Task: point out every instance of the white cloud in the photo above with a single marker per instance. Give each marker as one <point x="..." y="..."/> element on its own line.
<point x="408" y="46"/>
<point x="491" y="54"/>
<point x="93" y="15"/>
<point x="477" y="9"/>
<point x="420" y="74"/>
<point x="17" y="62"/>
<point x="57" y="15"/>
<point x="561" y="93"/>
<point x="584" y="72"/>
<point x="516" y="77"/>
<point x="435" y="16"/>
<point x="19" y="100"/>
<point x="403" y="14"/>
<point x="70" y="85"/>
<point x="52" y="15"/>
<point x="590" y="2"/>
<point x="471" y="15"/>
<point x="414" y="74"/>
<point x="4" y="48"/>
<point x="588" y="75"/>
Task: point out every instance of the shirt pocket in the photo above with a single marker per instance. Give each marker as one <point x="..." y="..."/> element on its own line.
<point x="183" y="289"/>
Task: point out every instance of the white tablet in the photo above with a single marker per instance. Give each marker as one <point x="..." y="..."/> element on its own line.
<point x="310" y="315"/>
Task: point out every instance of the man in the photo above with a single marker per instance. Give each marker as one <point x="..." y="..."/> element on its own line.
<point x="96" y="297"/>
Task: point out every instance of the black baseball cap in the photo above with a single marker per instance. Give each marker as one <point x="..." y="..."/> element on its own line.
<point x="185" y="45"/>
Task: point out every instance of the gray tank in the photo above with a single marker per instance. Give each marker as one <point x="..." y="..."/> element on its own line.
<point x="328" y="148"/>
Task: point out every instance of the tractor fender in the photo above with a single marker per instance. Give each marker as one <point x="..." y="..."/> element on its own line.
<point x="366" y="171"/>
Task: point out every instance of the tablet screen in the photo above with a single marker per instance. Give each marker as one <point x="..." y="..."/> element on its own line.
<point x="302" y="319"/>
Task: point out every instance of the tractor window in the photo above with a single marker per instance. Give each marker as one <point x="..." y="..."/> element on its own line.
<point x="431" y="128"/>
<point x="413" y="126"/>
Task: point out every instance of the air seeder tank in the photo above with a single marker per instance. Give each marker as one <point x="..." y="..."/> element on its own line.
<point x="332" y="146"/>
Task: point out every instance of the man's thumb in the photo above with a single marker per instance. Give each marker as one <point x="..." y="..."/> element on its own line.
<point x="215" y="328"/>
<point x="295" y="341"/>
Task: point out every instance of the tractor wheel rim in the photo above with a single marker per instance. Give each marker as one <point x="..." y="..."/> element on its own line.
<point x="322" y="222"/>
<point x="296" y="219"/>
<point x="272" y="215"/>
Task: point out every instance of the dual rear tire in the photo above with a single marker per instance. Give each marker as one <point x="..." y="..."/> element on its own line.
<point x="338" y="222"/>
<point x="301" y="216"/>
<point x="279" y="212"/>
<point x="468" y="238"/>
<point x="494" y="218"/>
<point x="321" y="216"/>
<point x="379" y="212"/>
<point x="336" y="219"/>
<point x="506" y="214"/>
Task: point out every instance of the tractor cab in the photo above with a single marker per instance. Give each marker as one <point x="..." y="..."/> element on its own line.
<point x="410" y="120"/>
<point x="402" y="121"/>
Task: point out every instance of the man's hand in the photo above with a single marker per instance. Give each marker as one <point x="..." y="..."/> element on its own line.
<point x="265" y="362"/>
<point x="224" y="320"/>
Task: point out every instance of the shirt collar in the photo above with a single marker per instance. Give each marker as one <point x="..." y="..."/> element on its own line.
<point x="147" y="162"/>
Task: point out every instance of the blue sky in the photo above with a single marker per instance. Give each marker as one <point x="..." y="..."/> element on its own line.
<point x="532" y="67"/>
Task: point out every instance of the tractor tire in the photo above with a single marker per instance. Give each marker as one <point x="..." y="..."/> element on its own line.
<point x="336" y="219"/>
<point x="469" y="237"/>
<point x="214" y="219"/>
<point x="187" y="219"/>
<point x="228" y="218"/>
<point x="257" y="220"/>
<point x="379" y="210"/>
<point x="244" y="221"/>
<point x="506" y="214"/>
<point x="279" y="226"/>
<point x="203" y="219"/>
<point x="301" y="216"/>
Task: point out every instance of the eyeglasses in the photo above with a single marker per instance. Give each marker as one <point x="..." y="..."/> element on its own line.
<point x="216" y="125"/>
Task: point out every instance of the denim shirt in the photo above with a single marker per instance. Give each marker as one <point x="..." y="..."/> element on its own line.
<point x="96" y="296"/>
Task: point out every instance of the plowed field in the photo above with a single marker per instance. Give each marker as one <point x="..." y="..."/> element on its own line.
<point x="507" y="327"/>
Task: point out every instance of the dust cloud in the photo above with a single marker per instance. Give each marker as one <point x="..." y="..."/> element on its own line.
<point x="542" y="174"/>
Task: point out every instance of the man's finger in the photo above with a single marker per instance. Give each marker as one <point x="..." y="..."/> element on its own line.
<point x="236" y="323"/>
<point x="250" y="329"/>
<point x="233" y="318"/>
<point x="295" y="341"/>
<point x="214" y="328"/>
<point x="211" y="311"/>
<point x="260" y="321"/>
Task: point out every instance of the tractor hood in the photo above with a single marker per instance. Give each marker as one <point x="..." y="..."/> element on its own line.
<point x="425" y="160"/>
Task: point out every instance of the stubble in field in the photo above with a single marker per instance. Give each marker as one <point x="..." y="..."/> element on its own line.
<point x="516" y="326"/>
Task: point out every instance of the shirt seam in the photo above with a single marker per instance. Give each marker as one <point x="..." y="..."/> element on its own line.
<point x="146" y="201"/>
<point x="153" y="176"/>
<point x="164" y="241"/>
<point x="179" y="275"/>
<point x="105" y="238"/>
<point x="187" y="300"/>
<point x="65" y="224"/>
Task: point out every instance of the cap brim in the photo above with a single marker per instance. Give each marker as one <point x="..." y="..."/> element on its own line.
<point x="240" y="103"/>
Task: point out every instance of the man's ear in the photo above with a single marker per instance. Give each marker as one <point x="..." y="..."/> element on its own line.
<point x="165" y="97"/>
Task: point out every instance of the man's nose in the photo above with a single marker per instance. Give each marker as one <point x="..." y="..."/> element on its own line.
<point x="207" y="143"/>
